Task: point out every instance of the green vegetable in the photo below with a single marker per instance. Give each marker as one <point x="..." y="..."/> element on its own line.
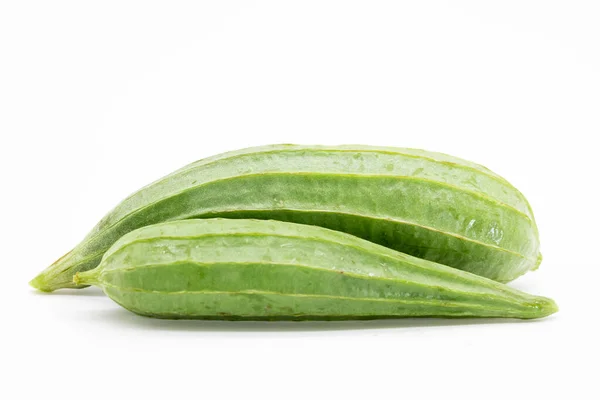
<point x="429" y="205"/>
<point x="257" y="269"/>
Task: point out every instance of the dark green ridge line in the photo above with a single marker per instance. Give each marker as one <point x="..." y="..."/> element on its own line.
<point x="473" y="193"/>
<point x="522" y="310"/>
<point x="469" y="192"/>
<point x="208" y="160"/>
<point x="220" y="214"/>
<point x="509" y="297"/>
<point x="452" y="273"/>
<point x="439" y="303"/>
<point x="304" y="316"/>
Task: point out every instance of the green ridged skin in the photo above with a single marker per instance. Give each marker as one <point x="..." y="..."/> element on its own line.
<point x="425" y="204"/>
<point x="273" y="270"/>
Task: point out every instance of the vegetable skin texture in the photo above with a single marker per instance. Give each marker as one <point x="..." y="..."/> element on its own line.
<point x="272" y="270"/>
<point x="425" y="204"/>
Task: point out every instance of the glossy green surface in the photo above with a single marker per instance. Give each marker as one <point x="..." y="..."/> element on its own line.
<point x="258" y="269"/>
<point x="426" y="204"/>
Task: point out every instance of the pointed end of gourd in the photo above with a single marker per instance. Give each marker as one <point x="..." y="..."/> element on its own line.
<point x="542" y="307"/>
<point x="47" y="281"/>
<point x="39" y="283"/>
<point x="47" y="284"/>
<point x="56" y="276"/>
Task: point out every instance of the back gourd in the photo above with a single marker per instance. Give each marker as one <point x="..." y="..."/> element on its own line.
<point x="425" y="204"/>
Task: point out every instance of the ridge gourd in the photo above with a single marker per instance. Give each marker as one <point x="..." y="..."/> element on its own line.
<point x="273" y="270"/>
<point x="425" y="204"/>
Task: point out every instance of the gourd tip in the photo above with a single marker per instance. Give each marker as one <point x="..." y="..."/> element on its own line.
<point x="38" y="283"/>
<point x="545" y="306"/>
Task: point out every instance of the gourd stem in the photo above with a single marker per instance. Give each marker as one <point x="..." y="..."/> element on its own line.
<point x="86" y="278"/>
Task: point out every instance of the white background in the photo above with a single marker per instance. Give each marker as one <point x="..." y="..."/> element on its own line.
<point x="99" y="98"/>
